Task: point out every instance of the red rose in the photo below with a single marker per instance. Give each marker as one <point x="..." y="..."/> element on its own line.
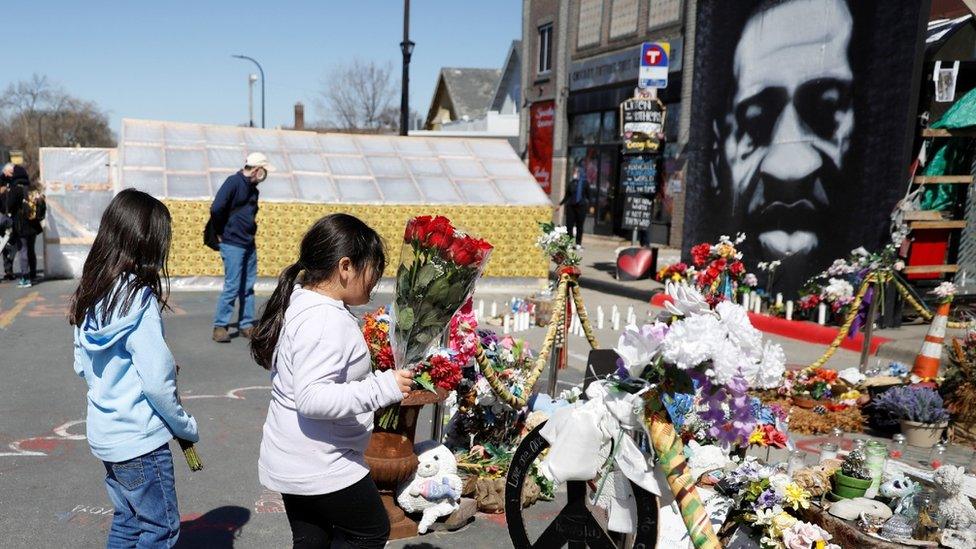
<point x="720" y="264"/>
<point x="416" y="228"/>
<point x="679" y="268"/>
<point x="445" y="373"/>
<point x="700" y="253"/>
<point x="737" y="268"/>
<point x="466" y="252"/>
<point x="713" y="273"/>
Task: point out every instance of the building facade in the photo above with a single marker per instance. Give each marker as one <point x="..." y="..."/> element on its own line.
<point x="581" y="61"/>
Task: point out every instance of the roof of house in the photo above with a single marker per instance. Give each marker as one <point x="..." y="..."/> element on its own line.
<point x="470" y="90"/>
<point x="511" y="71"/>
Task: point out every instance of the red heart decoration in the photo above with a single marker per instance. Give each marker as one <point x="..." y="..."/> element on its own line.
<point x="634" y="262"/>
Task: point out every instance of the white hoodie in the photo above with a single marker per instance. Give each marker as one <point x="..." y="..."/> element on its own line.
<point x="323" y="396"/>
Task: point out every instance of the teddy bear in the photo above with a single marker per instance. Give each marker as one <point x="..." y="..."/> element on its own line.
<point x="435" y="490"/>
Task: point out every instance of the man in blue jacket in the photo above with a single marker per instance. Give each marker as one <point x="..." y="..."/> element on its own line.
<point x="234" y="212"/>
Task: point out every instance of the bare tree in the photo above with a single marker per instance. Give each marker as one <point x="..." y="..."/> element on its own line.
<point x="40" y="113"/>
<point x="359" y="96"/>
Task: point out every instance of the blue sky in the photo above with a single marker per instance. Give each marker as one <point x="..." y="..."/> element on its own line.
<point x="171" y="60"/>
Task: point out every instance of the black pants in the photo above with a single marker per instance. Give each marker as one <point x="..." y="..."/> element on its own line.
<point x="575" y="217"/>
<point x="28" y="258"/>
<point x="356" y="513"/>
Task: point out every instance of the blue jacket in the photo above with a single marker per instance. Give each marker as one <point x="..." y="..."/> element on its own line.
<point x="133" y="407"/>
<point x="235" y="210"/>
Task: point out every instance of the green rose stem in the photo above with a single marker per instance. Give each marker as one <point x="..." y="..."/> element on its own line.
<point x="192" y="459"/>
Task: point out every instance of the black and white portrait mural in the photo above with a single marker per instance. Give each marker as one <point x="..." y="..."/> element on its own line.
<point x="804" y="115"/>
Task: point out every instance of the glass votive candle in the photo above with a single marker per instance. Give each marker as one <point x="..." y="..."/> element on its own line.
<point x="897" y="447"/>
<point x="937" y="456"/>
<point x="828" y="450"/>
<point x="796" y="462"/>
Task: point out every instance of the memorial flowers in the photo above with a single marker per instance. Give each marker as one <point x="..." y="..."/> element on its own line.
<point x="838" y="283"/>
<point x="439" y="265"/>
<point x="558" y="244"/>
<point x="717" y="270"/>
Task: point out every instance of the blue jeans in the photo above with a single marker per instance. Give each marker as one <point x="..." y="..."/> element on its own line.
<point x="143" y="491"/>
<point x="240" y="272"/>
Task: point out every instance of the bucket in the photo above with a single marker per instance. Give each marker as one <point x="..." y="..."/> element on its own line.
<point x="924" y="435"/>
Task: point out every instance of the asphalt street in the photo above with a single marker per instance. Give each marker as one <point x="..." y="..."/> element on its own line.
<point x="51" y="487"/>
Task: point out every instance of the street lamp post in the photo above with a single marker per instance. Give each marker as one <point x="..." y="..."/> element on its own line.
<point x="251" y="79"/>
<point x="261" y="70"/>
<point x="406" y="47"/>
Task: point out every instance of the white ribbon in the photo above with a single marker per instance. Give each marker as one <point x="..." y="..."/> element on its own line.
<point x="580" y="439"/>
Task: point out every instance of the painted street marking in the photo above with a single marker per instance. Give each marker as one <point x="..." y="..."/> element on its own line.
<point x="7" y="317"/>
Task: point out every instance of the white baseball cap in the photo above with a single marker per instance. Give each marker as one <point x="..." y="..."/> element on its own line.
<point x="258" y="160"/>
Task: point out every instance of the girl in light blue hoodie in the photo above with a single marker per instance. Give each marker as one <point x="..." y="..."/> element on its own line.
<point x="133" y="407"/>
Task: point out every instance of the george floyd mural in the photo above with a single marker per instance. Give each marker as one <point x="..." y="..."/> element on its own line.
<point x="805" y="127"/>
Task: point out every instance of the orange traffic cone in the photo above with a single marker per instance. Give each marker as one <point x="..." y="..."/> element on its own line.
<point x="927" y="362"/>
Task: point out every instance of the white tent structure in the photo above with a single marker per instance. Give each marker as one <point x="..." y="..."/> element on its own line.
<point x="481" y="184"/>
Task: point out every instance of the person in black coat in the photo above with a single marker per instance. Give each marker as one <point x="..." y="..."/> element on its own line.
<point x="577" y="201"/>
<point x="27" y="209"/>
<point x="8" y="249"/>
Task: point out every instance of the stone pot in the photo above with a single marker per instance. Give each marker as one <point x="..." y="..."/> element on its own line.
<point x="846" y="487"/>
<point x="925" y="435"/>
<point x="391" y="458"/>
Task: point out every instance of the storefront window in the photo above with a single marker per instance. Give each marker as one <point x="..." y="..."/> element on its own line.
<point x="608" y="132"/>
<point x="585" y="128"/>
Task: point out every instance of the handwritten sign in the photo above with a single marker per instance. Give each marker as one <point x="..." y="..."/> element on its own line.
<point x="642" y="124"/>
<point x="637" y="212"/>
<point x="638" y="174"/>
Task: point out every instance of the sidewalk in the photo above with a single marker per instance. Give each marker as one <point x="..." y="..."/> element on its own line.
<point x="599" y="273"/>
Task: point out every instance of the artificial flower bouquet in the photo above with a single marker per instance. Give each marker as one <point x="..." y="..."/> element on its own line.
<point x="837" y="285"/>
<point x="766" y="501"/>
<point x="558" y="244"/>
<point x="716" y="355"/>
<point x="810" y="383"/>
<point x="439" y="266"/>
<point x="717" y="270"/>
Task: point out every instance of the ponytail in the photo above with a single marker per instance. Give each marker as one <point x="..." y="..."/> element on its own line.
<point x="328" y="240"/>
<point x="266" y="333"/>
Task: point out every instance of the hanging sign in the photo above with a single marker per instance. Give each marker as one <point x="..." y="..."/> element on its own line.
<point x="642" y="125"/>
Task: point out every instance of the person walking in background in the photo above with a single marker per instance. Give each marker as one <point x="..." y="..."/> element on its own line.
<point x="234" y="213"/>
<point x="324" y="393"/>
<point x="577" y="202"/>
<point x="11" y="172"/>
<point x="27" y="208"/>
<point x="120" y="352"/>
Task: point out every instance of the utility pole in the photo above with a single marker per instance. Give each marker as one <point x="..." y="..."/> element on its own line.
<point x="260" y="70"/>
<point x="406" y="47"/>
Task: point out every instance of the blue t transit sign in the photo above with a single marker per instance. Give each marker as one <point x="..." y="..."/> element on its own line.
<point x="654" y="61"/>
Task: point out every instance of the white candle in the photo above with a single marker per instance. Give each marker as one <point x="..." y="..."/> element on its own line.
<point x="599" y="317"/>
<point x="494" y="309"/>
<point x="745" y="299"/>
<point x="789" y="310"/>
<point x="630" y="316"/>
<point x="616" y="323"/>
<point x="822" y="314"/>
<point x="525" y="321"/>
<point x="757" y="305"/>
<point x="507" y="324"/>
<point x="481" y="310"/>
<point x="779" y="300"/>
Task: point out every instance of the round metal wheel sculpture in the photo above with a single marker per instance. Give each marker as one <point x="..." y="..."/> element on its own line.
<point x="574" y="525"/>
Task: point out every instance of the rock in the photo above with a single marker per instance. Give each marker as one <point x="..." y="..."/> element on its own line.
<point x="851" y="509"/>
<point x="958" y="539"/>
<point x="459" y="518"/>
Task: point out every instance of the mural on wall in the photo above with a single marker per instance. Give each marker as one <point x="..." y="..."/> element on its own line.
<point x="803" y="126"/>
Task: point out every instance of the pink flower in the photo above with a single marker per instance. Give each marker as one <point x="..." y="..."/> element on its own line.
<point x="804" y="535"/>
<point x="507" y="342"/>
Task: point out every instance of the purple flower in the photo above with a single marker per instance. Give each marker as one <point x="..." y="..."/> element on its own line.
<point x="767" y="499"/>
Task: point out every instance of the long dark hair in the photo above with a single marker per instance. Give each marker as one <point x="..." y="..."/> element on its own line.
<point x="132" y="245"/>
<point x="329" y="240"/>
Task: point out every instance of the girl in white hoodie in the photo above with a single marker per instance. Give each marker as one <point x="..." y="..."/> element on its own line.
<point x="323" y="393"/>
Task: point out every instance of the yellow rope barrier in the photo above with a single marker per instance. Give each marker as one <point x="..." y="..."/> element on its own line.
<point x="846" y="326"/>
<point x="921" y="309"/>
<point x="555" y="332"/>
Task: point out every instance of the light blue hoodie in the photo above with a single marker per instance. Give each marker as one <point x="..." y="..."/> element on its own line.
<point x="132" y="402"/>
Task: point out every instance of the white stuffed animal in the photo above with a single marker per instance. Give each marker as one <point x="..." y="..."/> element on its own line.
<point x="956" y="509"/>
<point x="435" y="489"/>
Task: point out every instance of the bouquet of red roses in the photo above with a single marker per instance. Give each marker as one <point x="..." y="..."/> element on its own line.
<point x="439" y="265"/>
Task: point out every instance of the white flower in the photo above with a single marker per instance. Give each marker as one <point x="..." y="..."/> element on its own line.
<point x="750" y="280"/>
<point x="637" y="347"/>
<point x="779" y="481"/>
<point x="851" y="375"/>
<point x="838" y="289"/>
<point x="770" y="370"/>
<point x="685" y="300"/>
<point x="692" y="341"/>
<point x="946" y="290"/>
<point x="728" y="361"/>
<point x="899" y="265"/>
<point x="741" y="332"/>
<point x="859" y="251"/>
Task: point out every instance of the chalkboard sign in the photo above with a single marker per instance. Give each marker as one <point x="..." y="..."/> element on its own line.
<point x="639" y="174"/>
<point x="642" y="125"/>
<point x="637" y="212"/>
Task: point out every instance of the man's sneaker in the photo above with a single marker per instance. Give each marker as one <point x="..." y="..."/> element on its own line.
<point x="24" y="283"/>
<point x="247" y="332"/>
<point x="220" y="334"/>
